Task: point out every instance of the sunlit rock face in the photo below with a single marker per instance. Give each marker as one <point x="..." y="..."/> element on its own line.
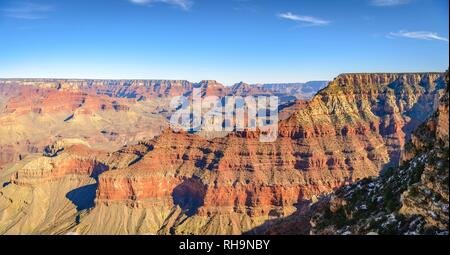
<point x="410" y="199"/>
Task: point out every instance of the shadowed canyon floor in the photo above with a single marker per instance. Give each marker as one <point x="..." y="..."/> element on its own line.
<point x="182" y="183"/>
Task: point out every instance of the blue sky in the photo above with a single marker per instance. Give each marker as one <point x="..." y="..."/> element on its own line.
<point x="255" y="41"/>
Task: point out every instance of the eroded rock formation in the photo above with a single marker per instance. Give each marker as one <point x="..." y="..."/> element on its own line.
<point x="180" y="183"/>
<point x="411" y="199"/>
<point x="105" y="113"/>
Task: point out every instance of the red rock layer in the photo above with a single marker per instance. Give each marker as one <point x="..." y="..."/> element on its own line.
<point x="48" y="101"/>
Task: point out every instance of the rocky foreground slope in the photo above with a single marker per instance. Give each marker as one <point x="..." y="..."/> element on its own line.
<point x="180" y="183"/>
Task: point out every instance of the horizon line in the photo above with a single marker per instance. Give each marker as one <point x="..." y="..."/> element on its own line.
<point x="208" y="80"/>
<point x="182" y="80"/>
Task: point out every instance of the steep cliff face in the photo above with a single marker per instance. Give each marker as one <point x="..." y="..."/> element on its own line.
<point x="411" y="199"/>
<point x="388" y="105"/>
<point x="350" y="131"/>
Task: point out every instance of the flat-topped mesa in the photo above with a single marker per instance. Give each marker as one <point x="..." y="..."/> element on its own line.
<point x="158" y="88"/>
<point x="74" y="159"/>
<point x="139" y="89"/>
<point x="362" y="81"/>
<point x="89" y="83"/>
<point x="49" y="102"/>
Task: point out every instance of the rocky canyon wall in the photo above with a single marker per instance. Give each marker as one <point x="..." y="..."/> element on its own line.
<point x="181" y="183"/>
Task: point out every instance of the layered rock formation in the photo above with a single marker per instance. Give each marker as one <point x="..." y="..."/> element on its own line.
<point x="412" y="199"/>
<point x="105" y="113"/>
<point x="180" y="183"/>
<point x="350" y="131"/>
<point x="301" y="91"/>
<point x="36" y="116"/>
<point x="44" y="193"/>
<point x="48" y="194"/>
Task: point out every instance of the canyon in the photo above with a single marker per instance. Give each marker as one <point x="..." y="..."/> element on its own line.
<point x="105" y="113"/>
<point x="141" y="177"/>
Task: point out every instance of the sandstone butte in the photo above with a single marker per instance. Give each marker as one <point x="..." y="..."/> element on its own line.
<point x="180" y="183"/>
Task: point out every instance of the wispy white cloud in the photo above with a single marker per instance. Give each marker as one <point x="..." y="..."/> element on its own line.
<point x="420" y="35"/>
<point x="305" y="20"/>
<point x="183" y="4"/>
<point x="385" y="3"/>
<point x="27" y="10"/>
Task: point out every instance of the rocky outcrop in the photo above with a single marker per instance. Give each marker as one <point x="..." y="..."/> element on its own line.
<point x="48" y="194"/>
<point x="301" y="91"/>
<point x="44" y="194"/>
<point x="411" y="199"/>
